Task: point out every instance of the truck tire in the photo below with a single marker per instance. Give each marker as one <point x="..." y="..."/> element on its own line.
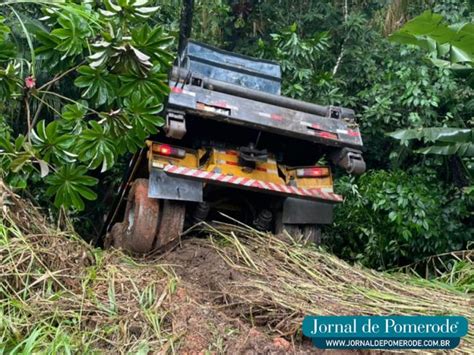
<point x="171" y="223"/>
<point x="305" y="233"/>
<point x="141" y="218"/>
<point x="148" y="224"/>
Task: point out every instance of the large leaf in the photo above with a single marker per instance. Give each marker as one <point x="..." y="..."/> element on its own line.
<point x="154" y="84"/>
<point x="130" y="9"/>
<point x="448" y="141"/>
<point x="455" y="41"/>
<point x="53" y="144"/>
<point x="96" y="147"/>
<point x="144" y="112"/>
<point x="9" y="81"/>
<point x="70" y="185"/>
<point x="154" y="42"/>
<point x="99" y="84"/>
<point x="461" y="149"/>
<point x="443" y="134"/>
<point x="72" y="35"/>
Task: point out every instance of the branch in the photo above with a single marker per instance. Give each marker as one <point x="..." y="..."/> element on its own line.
<point x="343" y="47"/>
<point x="59" y="77"/>
<point x="40" y="106"/>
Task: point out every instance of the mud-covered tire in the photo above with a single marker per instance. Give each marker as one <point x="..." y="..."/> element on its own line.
<point x="115" y="237"/>
<point x="141" y="219"/>
<point x="303" y="233"/>
<point x="149" y="224"/>
<point x="171" y="223"/>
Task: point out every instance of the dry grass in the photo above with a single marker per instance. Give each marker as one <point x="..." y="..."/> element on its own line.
<point x="282" y="282"/>
<point x="59" y="295"/>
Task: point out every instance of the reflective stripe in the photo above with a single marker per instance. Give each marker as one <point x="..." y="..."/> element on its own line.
<point x="320" y="193"/>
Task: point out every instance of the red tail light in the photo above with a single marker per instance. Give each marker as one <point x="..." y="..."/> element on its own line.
<point x="312" y="172"/>
<point x="169" y="151"/>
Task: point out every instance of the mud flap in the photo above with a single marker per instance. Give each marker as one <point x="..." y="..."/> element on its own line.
<point x="297" y="211"/>
<point x="164" y="186"/>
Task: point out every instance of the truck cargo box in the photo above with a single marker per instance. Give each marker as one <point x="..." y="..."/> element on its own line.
<point x="217" y="64"/>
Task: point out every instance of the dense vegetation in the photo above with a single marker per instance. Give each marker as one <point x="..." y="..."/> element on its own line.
<point x="82" y="84"/>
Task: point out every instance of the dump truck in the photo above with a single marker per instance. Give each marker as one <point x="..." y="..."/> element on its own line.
<point x="233" y="145"/>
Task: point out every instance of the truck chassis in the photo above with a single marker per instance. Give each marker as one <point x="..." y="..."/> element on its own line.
<point x="232" y="144"/>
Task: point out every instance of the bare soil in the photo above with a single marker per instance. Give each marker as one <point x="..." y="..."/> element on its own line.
<point x="203" y="310"/>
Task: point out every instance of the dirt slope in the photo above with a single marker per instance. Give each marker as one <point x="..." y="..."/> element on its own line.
<point x="230" y="290"/>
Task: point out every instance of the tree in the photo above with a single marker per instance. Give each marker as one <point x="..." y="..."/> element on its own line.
<point x="448" y="46"/>
<point x="81" y="83"/>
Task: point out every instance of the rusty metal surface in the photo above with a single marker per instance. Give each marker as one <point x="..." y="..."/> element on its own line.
<point x="171" y="223"/>
<point x="141" y="219"/>
<point x="118" y="204"/>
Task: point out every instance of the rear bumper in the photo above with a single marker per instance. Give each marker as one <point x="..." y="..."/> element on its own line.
<point x="253" y="184"/>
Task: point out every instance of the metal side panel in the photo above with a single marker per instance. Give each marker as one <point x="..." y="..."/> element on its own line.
<point x="296" y="211"/>
<point x="164" y="186"/>
<point x="231" y="109"/>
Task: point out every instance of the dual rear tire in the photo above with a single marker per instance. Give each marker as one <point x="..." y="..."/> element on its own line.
<point x="303" y="233"/>
<point x="148" y="224"/>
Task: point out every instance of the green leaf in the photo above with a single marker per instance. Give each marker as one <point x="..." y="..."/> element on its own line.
<point x="461" y="149"/>
<point x="99" y="84"/>
<point x="52" y="144"/>
<point x="69" y="187"/>
<point x="449" y="141"/>
<point x="429" y="31"/>
<point x="151" y="85"/>
<point x="144" y="112"/>
<point x="155" y="43"/>
<point x="433" y="134"/>
<point x="96" y="147"/>
<point x="72" y="36"/>
<point x="137" y="10"/>
<point x="74" y="112"/>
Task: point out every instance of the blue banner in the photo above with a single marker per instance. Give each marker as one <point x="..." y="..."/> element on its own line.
<point x="358" y="343"/>
<point x="385" y="332"/>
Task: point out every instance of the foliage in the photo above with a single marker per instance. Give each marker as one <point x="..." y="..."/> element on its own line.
<point x="447" y="141"/>
<point x="397" y="218"/>
<point x="455" y="269"/>
<point x="299" y="59"/>
<point x="60" y="295"/>
<point x="63" y="296"/>
<point x="105" y="89"/>
<point x="453" y="42"/>
<point x="69" y="70"/>
<point x="449" y="46"/>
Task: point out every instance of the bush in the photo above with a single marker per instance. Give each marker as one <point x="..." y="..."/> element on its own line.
<point x="395" y="218"/>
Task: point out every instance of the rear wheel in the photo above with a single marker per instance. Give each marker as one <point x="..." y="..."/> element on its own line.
<point x="141" y="217"/>
<point x="171" y="223"/>
<point x="148" y="223"/>
<point x="303" y="233"/>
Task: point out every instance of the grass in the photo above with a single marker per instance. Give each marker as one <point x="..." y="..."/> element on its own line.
<point x="283" y="281"/>
<point x="59" y="295"/>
